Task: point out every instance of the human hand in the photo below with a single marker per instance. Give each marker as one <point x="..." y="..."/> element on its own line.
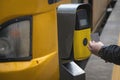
<point x="94" y="47"/>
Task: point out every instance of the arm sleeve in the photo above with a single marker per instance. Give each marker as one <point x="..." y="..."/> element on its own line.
<point x="110" y="54"/>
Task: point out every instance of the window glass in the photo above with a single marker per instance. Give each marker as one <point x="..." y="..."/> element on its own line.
<point x="15" y="40"/>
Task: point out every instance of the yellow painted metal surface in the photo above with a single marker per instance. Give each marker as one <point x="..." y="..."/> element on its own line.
<point x="43" y="68"/>
<point x="13" y="8"/>
<point x="81" y="51"/>
<point x="44" y="65"/>
<point x="44" y="34"/>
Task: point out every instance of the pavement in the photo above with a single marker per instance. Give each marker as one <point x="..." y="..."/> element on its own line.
<point x="98" y="69"/>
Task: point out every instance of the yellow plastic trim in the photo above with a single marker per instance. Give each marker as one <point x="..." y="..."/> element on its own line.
<point x="81" y="51"/>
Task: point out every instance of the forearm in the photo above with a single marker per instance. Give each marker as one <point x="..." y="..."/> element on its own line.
<point x="111" y="54"/>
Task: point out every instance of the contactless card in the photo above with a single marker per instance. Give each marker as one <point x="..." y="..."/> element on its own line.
<point x="95" y="37"/>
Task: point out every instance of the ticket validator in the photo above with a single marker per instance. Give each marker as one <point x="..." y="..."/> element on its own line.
<point x="74" y="22"/>
<point x="82" y="33"/>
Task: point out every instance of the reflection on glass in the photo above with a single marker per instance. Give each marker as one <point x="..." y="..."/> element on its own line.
<point x="15" y="40"/>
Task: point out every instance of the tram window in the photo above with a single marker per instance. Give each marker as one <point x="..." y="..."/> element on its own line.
<point x="15" y="40"/>
<point x="52" y="1"/>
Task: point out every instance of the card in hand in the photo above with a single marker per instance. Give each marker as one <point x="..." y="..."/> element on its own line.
<point x="95" y="37"/>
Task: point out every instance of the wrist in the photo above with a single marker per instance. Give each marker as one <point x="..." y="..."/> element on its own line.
<point x="100" y="53"/>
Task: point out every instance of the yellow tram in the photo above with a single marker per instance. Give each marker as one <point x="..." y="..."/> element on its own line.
<point x="29" y="40"/>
